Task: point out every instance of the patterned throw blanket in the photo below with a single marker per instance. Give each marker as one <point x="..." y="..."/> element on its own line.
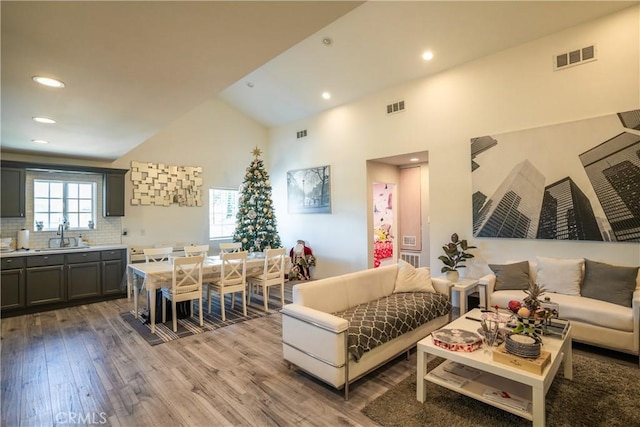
<point x="377" y="322"/>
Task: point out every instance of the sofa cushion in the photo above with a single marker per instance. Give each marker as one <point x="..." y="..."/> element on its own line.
<point x="513" y="276"/>
<point x="377" y="322"/>
<point x="411" y="279"/>
<point x="560" y="275"/>
<point x="609" y="283"/>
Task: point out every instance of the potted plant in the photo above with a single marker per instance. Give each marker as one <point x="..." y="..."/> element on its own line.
<point x="455" y="254"/>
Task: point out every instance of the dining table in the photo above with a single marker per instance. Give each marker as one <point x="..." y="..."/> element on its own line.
<point x="155" y="275"/>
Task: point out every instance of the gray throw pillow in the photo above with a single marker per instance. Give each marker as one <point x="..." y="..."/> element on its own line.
<point x="609" y="283"/>
<point x="511" y="276"/>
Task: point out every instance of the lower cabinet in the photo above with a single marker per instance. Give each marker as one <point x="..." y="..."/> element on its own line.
<point x="12" y="280"/>
<point x="50" y="281"/>
<point x="114" y="264"/>
<point x="83" y="275"/>
<point x="45" y="285"/>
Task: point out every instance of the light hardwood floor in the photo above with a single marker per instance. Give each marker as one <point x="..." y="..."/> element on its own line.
<point x="85" y="365"/>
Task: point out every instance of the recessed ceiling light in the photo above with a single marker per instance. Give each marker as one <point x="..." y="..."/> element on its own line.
<point x="427" y="56"/>
<point x="327" y="41"/>
<point x="414" y="159"/>
<point x="326" y="95"/>
<point x="48" y="81"/>
<point x="39" y="141"/>
<point x="44" y="120"/>
<point x="249" y="84"/>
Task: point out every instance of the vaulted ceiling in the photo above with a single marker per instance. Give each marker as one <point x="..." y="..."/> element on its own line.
<point x="130" y="68"/>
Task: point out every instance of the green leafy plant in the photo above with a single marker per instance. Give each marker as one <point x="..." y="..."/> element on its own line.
<point x="455" y="254"/>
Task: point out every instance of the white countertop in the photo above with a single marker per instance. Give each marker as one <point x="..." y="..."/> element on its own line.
<point x="51" y="251"/>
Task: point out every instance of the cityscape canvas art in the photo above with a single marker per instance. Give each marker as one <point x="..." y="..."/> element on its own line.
<point x="571" y="181"/>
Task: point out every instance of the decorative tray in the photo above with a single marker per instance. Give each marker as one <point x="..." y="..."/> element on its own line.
<point x="457" y="340"/>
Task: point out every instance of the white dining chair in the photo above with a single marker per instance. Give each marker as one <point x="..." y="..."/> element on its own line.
<point x="272" y="275"/>
<point x="233" y="278"/>
<point x="186" y="285"/>
<point x="230" y="247"/>
<point x="157" y="254"/>
<point x="196" y="250"/>
<point x="153" y="255"/>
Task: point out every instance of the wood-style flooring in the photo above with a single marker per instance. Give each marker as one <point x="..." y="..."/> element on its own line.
<point x="84" y="366"/>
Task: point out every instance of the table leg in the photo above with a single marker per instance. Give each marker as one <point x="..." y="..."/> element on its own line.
<point x="152" y="309"/>
<point x="568" y="360"/>
<point x="537" y="407"/>
<point x="463" y="301"/>
<point x="421" y="371"/>
<point x="136" y="290"/>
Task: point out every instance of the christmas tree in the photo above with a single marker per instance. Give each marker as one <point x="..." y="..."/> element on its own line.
<point x="256" y="219"/>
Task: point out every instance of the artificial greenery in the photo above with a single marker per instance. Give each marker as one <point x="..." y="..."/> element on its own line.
<point x="256" y="219"/>
<point x="455" y="254"/>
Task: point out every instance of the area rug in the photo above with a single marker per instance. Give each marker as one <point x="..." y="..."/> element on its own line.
<point x="601" y="394"/>
<point x="191" y="325"/>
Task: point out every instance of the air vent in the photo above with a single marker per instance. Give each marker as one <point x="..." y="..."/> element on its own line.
<point x="301" y="134"/>
<point x="396" y="107"/>
<point x="574" y="57"/>
<point x="413" y="259"/>
<point x="408" y="240"/>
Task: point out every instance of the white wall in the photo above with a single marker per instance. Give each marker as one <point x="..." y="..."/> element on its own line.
<point x="512" y="90"/>
<point x="214" y="136"/>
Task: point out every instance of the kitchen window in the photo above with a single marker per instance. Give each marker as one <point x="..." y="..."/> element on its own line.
<point x="57" y="200"/>
<point x="223" y="207"/>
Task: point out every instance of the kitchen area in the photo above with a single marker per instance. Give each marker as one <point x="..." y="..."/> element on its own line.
<point x="59" y="262"/>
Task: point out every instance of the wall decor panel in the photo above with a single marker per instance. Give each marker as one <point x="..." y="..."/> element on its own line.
<point x="164" y="185"/>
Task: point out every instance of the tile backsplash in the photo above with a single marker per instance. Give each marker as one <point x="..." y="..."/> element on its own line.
<point x="107" y="231"/>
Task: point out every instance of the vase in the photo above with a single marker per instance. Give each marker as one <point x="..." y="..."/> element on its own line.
<point x="453" y="276"/>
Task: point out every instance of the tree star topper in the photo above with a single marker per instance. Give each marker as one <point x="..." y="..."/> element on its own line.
<point x="256" y="152"/>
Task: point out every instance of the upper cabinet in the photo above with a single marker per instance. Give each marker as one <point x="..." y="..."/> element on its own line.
<point x="113" y="194"/>
<point x="13" y="186"/>
<point x="12" y="193"/>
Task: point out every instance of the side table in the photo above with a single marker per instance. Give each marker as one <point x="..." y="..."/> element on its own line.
<point x="464" y="287"/>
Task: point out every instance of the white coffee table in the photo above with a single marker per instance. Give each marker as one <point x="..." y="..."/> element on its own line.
<point x="496" y="375"/>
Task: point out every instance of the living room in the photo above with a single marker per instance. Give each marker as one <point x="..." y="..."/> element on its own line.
<point x="510" y="90"/>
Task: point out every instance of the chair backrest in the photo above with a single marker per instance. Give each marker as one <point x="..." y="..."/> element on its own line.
<point x="157" y="254"/>
<point x="234" y="268"/>
<point x="187" y="274"/>
<point x="196" y="250"/>
<point x="274" y="264"/>
<point x="230" y="247"/>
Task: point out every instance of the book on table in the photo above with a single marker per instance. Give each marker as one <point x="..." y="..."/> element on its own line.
<point x="508" y="399"/>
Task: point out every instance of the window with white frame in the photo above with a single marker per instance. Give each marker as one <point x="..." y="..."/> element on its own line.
<point x="223" y="207"/>
<point x="57" y="200"/>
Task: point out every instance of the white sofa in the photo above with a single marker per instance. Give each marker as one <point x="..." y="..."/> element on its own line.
<point x="594" y="321"/>
<point x="315" y="340"/>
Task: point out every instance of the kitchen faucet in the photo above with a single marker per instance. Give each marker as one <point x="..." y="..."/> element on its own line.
<point x="61" y="228"/>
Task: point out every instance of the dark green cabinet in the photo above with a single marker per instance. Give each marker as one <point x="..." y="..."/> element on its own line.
<point x="113" y="194"/>
<point x="83" y="275"/>
<point x="45" y="285"/>
<point x="114" y="263"/>
<point x="12" y="284"/>
<point x="43" y="282"/>
<point x="12" y="193"/>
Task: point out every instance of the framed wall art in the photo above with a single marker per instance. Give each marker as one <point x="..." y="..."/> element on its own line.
<point x="309" y="190"/>
<point x="571" y="181"/>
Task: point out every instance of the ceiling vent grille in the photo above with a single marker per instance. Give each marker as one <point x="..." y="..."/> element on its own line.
<point x="396" y="107"/>
<point x="301" y="134"/>
<point x="574" y="57"/>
